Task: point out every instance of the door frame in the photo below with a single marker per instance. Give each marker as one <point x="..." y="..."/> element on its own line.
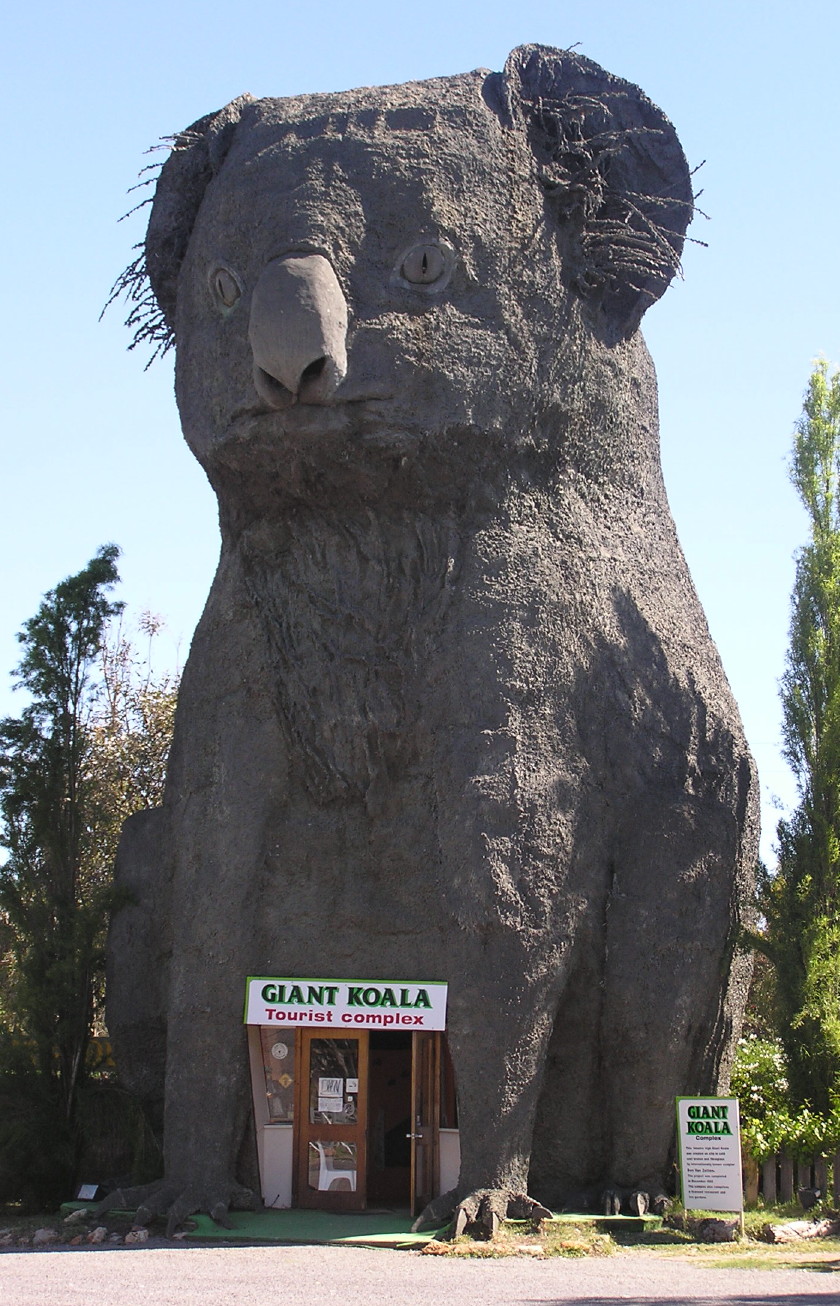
<point x="426" y="1052"/>
<point x="425" y="1118"/>
<point x="351" y="1132"/>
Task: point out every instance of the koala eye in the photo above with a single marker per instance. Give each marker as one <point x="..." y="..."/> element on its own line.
<point x="425" y="264"/>
<point x="225" y="286"/>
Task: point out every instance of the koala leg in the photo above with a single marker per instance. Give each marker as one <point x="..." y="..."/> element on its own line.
<point x="497" y="1035"/>
<point x="226" y="769"/>
<point x="138" y="960"/>
<point x="672" y="930"/>
<point x="570" y="1133"/>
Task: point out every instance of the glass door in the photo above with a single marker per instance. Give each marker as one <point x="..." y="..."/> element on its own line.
<point x="331" y="1142"/>
<point x="425" y="1118"/>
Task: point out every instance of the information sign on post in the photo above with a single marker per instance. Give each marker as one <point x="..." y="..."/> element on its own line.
<point x="709" y="1139"/>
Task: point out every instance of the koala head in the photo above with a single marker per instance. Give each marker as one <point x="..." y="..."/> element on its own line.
<point x="357" y="276"/>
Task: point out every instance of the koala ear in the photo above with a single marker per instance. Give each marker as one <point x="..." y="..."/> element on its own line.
<point x="197" y="155"/>
<point x="615" y="177"/>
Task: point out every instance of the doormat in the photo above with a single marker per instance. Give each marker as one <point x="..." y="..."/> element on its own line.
<point x="375" y="1228"/>
<point x="360" y="1229"/>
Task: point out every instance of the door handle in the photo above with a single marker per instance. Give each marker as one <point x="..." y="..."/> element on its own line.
<point x="414" y="1135"/>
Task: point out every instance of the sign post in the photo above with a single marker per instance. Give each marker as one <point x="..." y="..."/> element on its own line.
<point x="709" y="1141"/>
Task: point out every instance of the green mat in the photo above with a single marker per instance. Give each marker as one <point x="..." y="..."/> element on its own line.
<point x="367" y="1228"/>
<point x="604" y="1223"/>
<point x="373" y="1228"/>
<point x="360" y="1228"/>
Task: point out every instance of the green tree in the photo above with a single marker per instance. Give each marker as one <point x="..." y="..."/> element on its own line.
<point x="54" y="907"/>
<point x="129" y="740"/>
<point x="801" y="901"/>
<point x="89" y="748"/>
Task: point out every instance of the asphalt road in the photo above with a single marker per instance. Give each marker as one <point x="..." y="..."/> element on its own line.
<point x="291" y="1276"/>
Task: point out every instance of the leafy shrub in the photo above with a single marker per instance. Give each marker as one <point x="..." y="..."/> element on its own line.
<point x="37" y="1148"/>
<point x="769" y="1125"/>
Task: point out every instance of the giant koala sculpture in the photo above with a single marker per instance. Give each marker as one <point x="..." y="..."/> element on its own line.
<point x="452" y="709"/>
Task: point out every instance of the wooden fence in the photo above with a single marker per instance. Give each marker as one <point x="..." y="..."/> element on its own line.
<point x="780" y="1178"/>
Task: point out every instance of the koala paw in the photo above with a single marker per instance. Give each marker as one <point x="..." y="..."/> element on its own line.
<point x="479" y="1214"/>
<point x="177" y="1201"/>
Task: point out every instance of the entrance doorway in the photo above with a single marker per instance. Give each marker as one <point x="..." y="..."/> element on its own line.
<point x="389" y="1119"/>
<point x="367" y="1119"/>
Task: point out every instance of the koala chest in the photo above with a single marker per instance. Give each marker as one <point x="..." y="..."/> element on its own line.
<point x="380" y="642"/>
<point x="353" y="615"/>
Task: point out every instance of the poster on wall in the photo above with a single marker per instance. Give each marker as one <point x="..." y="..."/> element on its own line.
<point x="709" y="1140"/>
<point x="346" y="1004"/>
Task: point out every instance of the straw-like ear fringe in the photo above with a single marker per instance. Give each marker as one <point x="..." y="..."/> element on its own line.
<point x="150" y="282"/>
<point x="145" y="319"/>
<point x="614" y="175"/>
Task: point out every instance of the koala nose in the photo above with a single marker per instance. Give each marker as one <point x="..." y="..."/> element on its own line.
<point x="298" y="331"/>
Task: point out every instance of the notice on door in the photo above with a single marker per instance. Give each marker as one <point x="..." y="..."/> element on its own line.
<point x="709" y="1138"/>
<point x="346" y="1004"/>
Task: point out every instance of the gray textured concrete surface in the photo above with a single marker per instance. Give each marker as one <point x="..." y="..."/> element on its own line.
<point x="452" y="711"/>
<point x="305" y="1276"/>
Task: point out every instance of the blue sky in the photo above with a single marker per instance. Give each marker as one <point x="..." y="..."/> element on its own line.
<point x="91" y="446"/>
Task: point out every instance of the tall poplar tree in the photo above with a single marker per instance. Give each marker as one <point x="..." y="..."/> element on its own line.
<point x="54" y="907"/>
<point x="802" y="900"/>
<point x="89" y="749"/>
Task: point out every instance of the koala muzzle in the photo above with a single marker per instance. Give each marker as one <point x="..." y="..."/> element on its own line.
<point x="298" y="331"/>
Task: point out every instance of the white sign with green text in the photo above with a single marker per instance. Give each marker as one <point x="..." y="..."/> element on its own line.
<point x="332" y="1004"/>
<point x="709" y="1139"/>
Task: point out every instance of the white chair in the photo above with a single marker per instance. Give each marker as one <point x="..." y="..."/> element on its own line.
<point x="329" y="1174"/>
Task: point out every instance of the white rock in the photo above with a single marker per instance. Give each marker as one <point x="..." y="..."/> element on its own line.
<point x="795" y="1230"/>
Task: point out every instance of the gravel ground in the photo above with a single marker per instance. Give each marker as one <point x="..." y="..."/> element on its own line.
<point x="292" y="1276"/>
